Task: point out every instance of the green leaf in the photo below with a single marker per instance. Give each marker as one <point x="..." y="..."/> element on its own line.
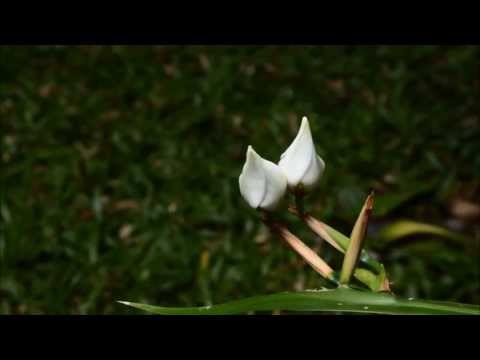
<point x="374" y="282"/>
<point x="404" y="228"/>
<point x="338" y="300"/>
<point x="344" y="241"/>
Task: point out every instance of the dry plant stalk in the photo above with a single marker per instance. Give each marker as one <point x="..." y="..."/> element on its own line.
<point x="317" y="227"/>
<point x="356" y="241"/>
<point x="315" y="261"/>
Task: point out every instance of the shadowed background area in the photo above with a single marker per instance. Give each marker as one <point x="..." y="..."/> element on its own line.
<point x="119" y="170"/>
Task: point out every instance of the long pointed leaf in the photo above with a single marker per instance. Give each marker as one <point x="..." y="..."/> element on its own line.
<point x="337" y="300"/>
<point x="357" y="239"/>
<point x="404" y="228"/>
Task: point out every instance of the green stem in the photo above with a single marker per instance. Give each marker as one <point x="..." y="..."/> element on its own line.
<point x="299" y="203"/>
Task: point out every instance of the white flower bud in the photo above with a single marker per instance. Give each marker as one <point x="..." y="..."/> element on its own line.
<point x="262" y="183"/>
<point x="300" y="162"/>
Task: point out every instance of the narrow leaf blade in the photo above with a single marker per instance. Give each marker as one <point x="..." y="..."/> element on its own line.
<point x="338" y="300"/>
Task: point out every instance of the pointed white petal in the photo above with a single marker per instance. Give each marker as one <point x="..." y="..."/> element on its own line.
<point x="252" y="180"/>
<point x="300" y="158"/>
<point x="276" y="185"/>
<point x="315" y="171"/>
<point x="262" y="183"/>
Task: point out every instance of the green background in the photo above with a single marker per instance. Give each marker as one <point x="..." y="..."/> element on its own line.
<point x="119" y="169"/>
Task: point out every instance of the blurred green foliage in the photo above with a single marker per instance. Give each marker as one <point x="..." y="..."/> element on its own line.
<point x="119" y="168"/>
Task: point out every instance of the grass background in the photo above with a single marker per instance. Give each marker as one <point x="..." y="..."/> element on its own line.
<point x="119" y="169"/>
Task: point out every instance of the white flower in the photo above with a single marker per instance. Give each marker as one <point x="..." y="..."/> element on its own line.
<point x="262" y="183"/>
<point x="300" y="163"/>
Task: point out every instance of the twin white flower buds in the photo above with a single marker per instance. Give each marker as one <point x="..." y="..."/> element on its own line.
<point x="263" y="183"/>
